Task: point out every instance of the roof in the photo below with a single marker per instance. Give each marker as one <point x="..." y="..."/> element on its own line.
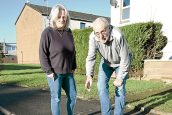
<point x="73" y="14"/>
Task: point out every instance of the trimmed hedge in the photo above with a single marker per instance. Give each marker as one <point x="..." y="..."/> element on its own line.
<point x="145" y="41"/>
<point x="81" y="38"/>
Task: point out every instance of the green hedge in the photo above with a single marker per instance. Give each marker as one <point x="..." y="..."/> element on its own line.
<point x="81" y="38"/>
<point x="145" y="41"/>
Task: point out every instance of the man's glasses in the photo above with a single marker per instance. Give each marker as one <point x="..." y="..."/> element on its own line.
<point x="103" y="32"/>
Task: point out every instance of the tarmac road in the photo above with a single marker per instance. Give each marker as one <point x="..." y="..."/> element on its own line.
<point x="25" y="101"/>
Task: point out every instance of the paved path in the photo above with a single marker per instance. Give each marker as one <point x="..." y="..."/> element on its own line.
<point x="25" y="101"/>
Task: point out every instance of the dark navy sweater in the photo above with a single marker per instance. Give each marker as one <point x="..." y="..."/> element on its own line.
<point x="57" y="51"/>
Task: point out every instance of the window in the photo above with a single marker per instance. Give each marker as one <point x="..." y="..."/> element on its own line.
<point x="125" y="15"/>
<point x="126" y="3"/>
<point x="82" y="25"/>
<point x="13" y="47"/>
<point x="8" y="48"/>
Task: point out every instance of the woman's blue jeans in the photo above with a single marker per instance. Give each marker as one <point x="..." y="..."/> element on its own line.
<point x="67" y="82"/>
<point x="104" y="75"/>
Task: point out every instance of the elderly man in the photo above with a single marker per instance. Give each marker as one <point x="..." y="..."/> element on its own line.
<point x="110" y="43"/>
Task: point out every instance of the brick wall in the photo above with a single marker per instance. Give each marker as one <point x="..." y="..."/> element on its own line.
<point x="158" y="69"/>
<point x="9" y="59"/>
<point x="28" y="32"/>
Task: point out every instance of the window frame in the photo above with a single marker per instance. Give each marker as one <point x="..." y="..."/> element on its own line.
<point x="82" y="25"/>
<point x="122" y="10"/>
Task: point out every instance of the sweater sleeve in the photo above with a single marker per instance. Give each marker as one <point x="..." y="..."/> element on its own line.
<point x="74" y="65"/>
<point x="74" y="61"/>
<point x="44" y="52"/>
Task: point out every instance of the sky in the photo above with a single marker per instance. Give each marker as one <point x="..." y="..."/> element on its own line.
<point x="10" y="10"/>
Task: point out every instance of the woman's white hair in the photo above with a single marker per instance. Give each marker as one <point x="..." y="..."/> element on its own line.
<point x="100" y="20"/>
<point x="54" y="14"/>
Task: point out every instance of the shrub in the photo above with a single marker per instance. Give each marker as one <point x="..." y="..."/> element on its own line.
<point x="1" y="52"/>
<point x="145" y="41"/>
<point x="1" y="56"/>
<point x="81" y="38"/>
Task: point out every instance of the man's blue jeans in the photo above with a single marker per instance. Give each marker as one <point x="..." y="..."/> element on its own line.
<point x="67" y="82"/>
<point x="104" y="75"/>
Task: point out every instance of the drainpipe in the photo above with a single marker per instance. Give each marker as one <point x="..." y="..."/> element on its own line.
<point x="22" y="57"/>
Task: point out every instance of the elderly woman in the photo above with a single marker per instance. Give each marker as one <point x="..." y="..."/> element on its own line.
<point x="58" y="59"/>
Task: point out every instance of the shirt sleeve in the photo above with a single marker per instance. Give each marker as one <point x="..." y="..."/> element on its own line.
<point x="91" y="57"/>
<point x="125" y="58"/>
<point x="44" y="53"/>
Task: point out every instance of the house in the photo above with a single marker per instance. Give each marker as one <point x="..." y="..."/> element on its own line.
<point x="30" y="24"/>
<point x="125" y="12"/>
<point x="8" y="48"/>
<point x="8" y="52"/>
<point x="133" y="11"/>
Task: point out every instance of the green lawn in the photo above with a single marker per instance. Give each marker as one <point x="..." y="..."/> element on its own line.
<point x="139" y="92"/>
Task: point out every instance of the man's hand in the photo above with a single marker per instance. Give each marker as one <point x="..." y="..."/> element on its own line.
<point x="88" y="83"/>
<point x="118" y="82"/>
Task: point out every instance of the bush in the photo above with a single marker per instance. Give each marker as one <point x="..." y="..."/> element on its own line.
<point x="81" y="38"/>
<point x="145" y="41"/>
<point x="1" y="56"/>
<point x="1" y="52"/>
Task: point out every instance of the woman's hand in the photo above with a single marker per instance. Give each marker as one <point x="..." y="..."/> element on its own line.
<point x="51" y="75"/>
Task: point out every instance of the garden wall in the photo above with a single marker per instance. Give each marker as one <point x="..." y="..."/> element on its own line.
<point x="158" y="70"/>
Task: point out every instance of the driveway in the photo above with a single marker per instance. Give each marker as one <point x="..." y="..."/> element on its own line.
<point x="26" y="101"/>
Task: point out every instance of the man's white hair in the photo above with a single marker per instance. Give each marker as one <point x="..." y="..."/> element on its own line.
<point x="100" y="20"/>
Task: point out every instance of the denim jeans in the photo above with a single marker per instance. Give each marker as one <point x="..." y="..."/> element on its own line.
<point x="104" y="75"/>
<point x="67" y="82"/>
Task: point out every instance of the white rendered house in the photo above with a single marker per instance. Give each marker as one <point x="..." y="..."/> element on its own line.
<point x="133" y="11"/>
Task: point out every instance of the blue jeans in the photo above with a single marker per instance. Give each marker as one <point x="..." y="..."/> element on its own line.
<point x="67" y="82"/>
<point x="104" y="75"/>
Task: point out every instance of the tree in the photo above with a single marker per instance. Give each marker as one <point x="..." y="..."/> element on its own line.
<point x="1" y="55"/>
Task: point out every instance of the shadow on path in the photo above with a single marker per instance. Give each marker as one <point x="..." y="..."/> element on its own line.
<point x="160" y="97"/>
